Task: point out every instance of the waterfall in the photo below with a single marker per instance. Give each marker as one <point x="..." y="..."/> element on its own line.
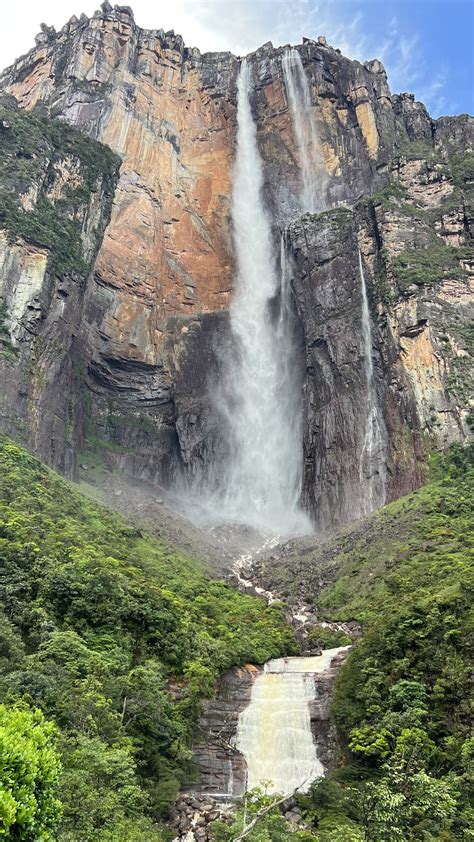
<point x="372" y="469"/>
<point x="230" y="781"/>
<point x="313" y="171"/>
<point x="274" y="732"/>
<point x="259" y="401"/>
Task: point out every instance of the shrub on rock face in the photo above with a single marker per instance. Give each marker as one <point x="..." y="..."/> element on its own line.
<point x="327" y="638"/>
<point x="29" y="770"/>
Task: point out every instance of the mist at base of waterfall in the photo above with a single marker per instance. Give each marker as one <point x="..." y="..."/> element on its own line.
<point x="243" y="527"/>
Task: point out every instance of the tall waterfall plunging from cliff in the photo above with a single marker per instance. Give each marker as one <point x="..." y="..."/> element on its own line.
<point x="372" y="468"/>
<point x="260" y="396"/>
<point x="298" y="93"/>
<point x="274" y="732"/>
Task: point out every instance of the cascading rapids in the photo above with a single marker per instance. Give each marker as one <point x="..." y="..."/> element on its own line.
<point x="259" y="398"/>
<point x="372" y="468"/>
<point x="274" y="732"/>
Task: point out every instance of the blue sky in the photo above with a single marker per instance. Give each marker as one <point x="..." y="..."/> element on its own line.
<point x="426" y="45"/>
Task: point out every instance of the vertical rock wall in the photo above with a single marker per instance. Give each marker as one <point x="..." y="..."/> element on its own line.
<point x="151" y="319"/>
<point x="412" y="332"/>
<point x="56" y="191"/>
<point x="218" y="768"/>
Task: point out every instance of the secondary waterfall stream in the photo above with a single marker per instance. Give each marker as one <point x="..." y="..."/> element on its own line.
<point x="259" y="400"/>
<point x="298" y="93"/>
<point x="274" y="731"/>
<point x="372" y="469"/>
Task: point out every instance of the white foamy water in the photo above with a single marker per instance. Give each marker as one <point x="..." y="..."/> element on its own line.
<point x="309" y="663"/>
<point x="274" y="731"/>
<point x="313" y="170"/>
<point x="259" y="401"/>
<point x="372" y="467"/>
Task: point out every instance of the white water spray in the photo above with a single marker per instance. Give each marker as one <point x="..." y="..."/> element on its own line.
<point x="274" y="732"/>
<point x="260" y="399"/>
<point x="372" y="469"/>
<point x="313" y="171"/>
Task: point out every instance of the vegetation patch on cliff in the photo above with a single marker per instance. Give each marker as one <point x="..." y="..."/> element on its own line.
<point x="32" y="147"/>
<point x="461" y="165"/>
<point x="115" y="638"/>
<point x="419" y="149"/>
<point x="336" y="217"/>
<point x="429" y="265"/>
<point x="6" y="346"/>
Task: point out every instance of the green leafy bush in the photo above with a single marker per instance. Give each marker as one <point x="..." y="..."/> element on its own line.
<point x="327" y="638"/>
<point x="29" y="771"/>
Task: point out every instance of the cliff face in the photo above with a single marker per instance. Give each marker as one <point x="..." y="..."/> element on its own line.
<point x="420" y="342"/>
<point x="56" y="190"/>
<point x="153" y="313"/>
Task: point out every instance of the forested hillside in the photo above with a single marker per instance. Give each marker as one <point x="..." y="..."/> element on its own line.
<point x="115" y="639"/>
<point x="109" y="640"/>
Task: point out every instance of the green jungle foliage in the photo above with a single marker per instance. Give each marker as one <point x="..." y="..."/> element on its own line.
<point x="32" y="145"/>
<point x="402" y="699"/>
<point x="29" y="771"/>
<point x="429" y="265"/>
<point x="327" y="638"/>
<point x="401" y="703"/>
<point x="115" y="639"/>
<point x="270" y="826"/>
<point x="461" y="164"/>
